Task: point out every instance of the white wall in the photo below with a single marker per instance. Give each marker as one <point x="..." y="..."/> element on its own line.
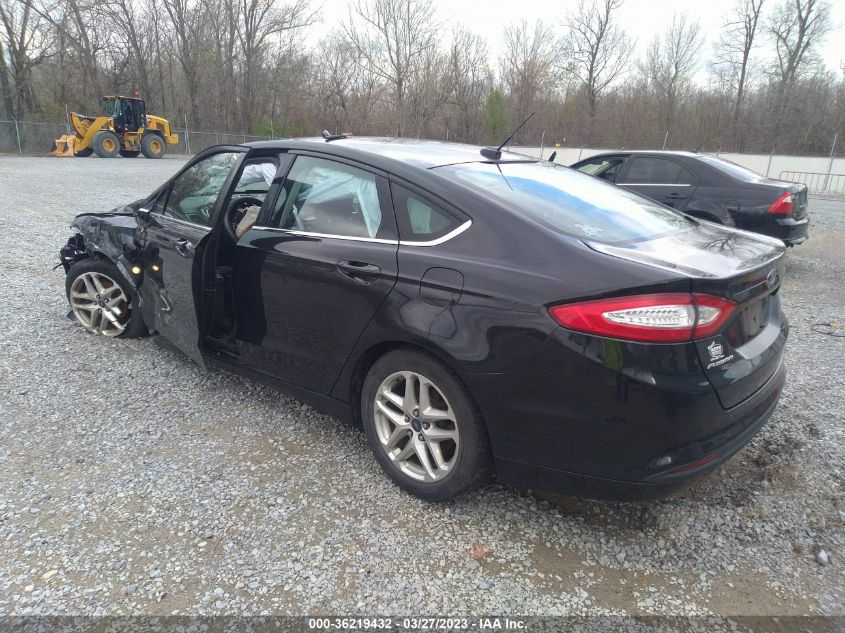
<point x="756" y="162"/>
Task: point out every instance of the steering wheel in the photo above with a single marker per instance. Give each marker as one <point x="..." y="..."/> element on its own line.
<point x="237" y="210"/>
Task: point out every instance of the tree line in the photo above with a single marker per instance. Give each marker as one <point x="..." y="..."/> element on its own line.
<point x="395" y="67"/>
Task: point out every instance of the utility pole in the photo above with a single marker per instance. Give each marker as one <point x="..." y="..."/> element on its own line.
<point x="830" y="162"/>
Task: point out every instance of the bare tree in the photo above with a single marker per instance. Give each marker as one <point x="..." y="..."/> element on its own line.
<point x="734" y="49"/>
<point x="797" y="27"/>
<point x="132" y="32"/>
<point x="82" y="26"/>
<point x="6" y="84"/>
<point x="470" y="81"/>
<point x="670" y="63"/>
<point x="392" y="36"/>
<point x="259" y="21"/>
<point x="337" y="64"/>
<point x="21" y="31"/>
<point x="598" y="51"/>
<point x="429" y="92"/>
<point x="187" y="21"/>
<point x="528" y="65"/>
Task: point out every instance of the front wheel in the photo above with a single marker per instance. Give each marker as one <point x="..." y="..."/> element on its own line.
<point x="102" y="301"/>
<point x="423" y="426"/>
<point x="106" y="144"/>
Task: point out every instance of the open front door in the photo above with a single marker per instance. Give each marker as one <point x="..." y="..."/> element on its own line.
<point x="177" y="232"/>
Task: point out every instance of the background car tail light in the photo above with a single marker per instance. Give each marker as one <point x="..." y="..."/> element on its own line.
<point x="657" y="318"/>
<point x="783" y="205"/>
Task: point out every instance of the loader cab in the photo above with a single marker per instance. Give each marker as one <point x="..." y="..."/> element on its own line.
<point x="129" y="114"/>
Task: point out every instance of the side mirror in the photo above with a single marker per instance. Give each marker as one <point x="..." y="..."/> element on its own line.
<point x="143" y="214"/>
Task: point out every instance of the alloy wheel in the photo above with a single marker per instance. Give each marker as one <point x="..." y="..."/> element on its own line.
<point x="99" y="304"/>
<point x="416" y="426"/>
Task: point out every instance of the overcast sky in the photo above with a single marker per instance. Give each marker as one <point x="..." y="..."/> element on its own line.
<point x="640" y="18"/>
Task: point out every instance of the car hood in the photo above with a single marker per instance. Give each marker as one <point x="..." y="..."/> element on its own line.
<point x="705" y="250"/>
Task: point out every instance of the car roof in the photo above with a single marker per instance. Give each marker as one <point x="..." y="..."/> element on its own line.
<point x="386" y="153"/>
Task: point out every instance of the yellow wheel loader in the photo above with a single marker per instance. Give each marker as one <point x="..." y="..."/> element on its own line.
<point x="124" y="128"/>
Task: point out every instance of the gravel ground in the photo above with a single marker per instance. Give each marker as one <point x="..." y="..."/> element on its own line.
<point x="134" y="482"/>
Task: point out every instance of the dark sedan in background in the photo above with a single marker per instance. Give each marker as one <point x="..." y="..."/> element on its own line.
<point x="479" y="313"/>
<point x="709" y="188"/>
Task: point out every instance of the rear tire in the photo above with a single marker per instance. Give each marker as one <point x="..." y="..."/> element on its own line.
<point x="91" y="281"/>
<point x="129" y="153"/>
<point x="435" y="452"/>
<point x="84" y="153"/>
<point x="152" y="145"/>
<point x="106" y="144"/>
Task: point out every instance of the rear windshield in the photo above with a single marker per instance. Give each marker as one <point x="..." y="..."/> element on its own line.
<point x="568" y="201"/>
<point x="732" y="169"/>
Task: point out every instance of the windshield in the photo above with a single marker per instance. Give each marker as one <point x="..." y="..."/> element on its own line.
<point x="111" y="107"/>
<point x="732" y="169"/>
<point x="568" y="201"/>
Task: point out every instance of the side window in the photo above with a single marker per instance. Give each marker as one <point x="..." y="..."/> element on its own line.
<point x="605" y="168"/>
<point x="657" y="171"/>
<point x="194" y="191"/>
<point x="331" y="198"/>
<point x="420" y="220"/>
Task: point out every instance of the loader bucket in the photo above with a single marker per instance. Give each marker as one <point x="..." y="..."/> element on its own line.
<point x="64" y="145"/>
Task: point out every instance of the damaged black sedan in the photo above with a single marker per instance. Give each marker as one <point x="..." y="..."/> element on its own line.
<point x="481" y="314"/>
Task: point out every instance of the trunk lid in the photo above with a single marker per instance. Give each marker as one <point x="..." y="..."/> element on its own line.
<point x="743" y="267"/>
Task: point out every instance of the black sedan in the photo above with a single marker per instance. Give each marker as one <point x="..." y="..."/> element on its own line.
<point x="709" y="188"/>
<point x="481" y="315"/>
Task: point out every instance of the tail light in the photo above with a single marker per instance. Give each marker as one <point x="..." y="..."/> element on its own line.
<point x="783" y="205"/>
<point x="657" y="318"/>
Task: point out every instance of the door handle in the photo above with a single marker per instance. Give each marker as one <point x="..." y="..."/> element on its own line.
<point x="183" y="247"/>
<point x="675" y="196"/>
<point x="359" y="271"/>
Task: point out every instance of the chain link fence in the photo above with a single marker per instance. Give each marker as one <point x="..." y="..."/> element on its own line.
<point x="821" y="173"/>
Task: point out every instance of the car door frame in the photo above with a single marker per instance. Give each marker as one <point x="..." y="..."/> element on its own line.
<point x="183" y="334"/>
<point x="638" y="187"/>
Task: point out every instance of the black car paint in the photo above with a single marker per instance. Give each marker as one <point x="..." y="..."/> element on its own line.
<point x="565" y="411"/>
<point x="717" y="196"/>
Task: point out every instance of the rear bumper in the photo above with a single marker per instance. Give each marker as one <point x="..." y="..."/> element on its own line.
<point x="790" y="230"/>
<point x="599" y="433"/>
<point x="712" y="452"/>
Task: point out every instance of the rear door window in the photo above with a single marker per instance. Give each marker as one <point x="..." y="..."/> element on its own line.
<point x="645" y="170"/>
<point x="330" y="198"/>
<point x="568" y="201"/>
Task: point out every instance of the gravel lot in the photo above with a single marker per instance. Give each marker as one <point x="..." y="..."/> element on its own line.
<point x="133" y="482"/>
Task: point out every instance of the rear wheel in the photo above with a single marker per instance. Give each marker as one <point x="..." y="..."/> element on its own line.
<point x="423" y="426"/>
<point x="152" y="145"/>
<point x="106" y="144"/>
<point x="129" y="153"/>
<point x="102" y="301"/>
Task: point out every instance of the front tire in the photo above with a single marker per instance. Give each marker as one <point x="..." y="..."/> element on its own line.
<point x="102" y="301"/>
<point x="152" y="145"/>
<point x="424" y="427"/>
<point x="106" y="144"/>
